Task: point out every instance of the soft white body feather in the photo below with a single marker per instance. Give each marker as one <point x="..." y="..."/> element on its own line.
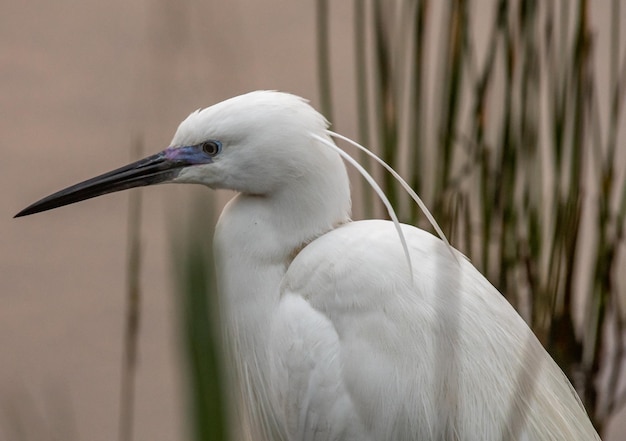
<point x="349" y="349"/>
<point x="333" y="341"/>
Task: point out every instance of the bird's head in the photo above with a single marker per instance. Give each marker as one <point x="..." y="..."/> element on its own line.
<point x="257" y="143"/>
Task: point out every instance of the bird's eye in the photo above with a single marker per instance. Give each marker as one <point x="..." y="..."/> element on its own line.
<point x="211" y="148"/>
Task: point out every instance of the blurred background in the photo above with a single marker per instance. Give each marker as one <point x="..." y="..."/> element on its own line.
<point x="515" y="106"/>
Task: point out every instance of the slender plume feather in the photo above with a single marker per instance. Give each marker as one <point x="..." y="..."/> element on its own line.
<point x="381" y="194"/>
<point x="405" y="185"/>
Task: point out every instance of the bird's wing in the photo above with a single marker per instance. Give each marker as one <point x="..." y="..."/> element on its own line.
<point x="307" y="384"/>
<point x="442" y="356"/>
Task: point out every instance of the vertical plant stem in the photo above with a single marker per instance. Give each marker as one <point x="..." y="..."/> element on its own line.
<point x="362" y="98"/>
<point x="323" y="59"/>
<point x="451" y="77"/>
<point x="133" y="310"/>
<point x="479" y="123"/>
<point x="614" y="102"/>
<point x="386" y="104"/>
<point x="419" y="104"/>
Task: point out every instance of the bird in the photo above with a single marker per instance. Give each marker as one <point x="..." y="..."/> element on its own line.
<point x="341" y="329"/>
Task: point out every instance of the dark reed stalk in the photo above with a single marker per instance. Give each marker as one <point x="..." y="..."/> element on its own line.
<point x="133" y="310"/>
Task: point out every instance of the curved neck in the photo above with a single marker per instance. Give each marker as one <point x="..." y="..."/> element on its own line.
<point x="257" y="236"/>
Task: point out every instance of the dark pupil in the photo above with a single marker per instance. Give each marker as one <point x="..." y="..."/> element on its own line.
<point x="210" y="148"/>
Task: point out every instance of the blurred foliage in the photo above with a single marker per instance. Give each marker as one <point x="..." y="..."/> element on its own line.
<point x="505" y="142"/>
<point x="202" y="351"/>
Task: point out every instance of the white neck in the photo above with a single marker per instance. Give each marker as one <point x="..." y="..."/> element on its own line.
<point x="257" y="237"/>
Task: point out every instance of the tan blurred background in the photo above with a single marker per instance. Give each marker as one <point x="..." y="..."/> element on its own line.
<point x="79" y="81"/>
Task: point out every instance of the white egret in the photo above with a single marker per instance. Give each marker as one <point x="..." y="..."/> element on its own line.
<point x="333" y="338"/>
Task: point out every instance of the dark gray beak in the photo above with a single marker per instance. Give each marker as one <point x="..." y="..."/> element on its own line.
<point x="155" y="169"/>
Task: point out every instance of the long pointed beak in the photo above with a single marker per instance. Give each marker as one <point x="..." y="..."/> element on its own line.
<point x="155" y="169"/>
